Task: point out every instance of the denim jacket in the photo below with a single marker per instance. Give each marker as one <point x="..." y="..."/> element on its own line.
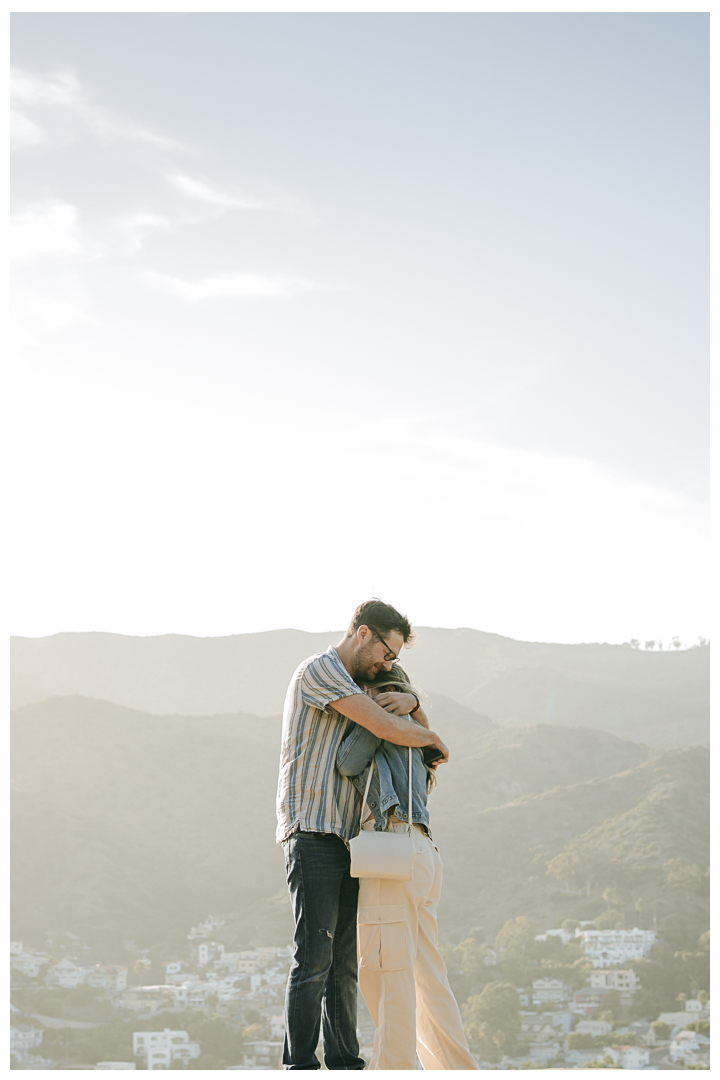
<point x="389" y="785"/>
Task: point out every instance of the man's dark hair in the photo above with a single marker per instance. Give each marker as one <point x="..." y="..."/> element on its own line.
<point x="382" y="618"/>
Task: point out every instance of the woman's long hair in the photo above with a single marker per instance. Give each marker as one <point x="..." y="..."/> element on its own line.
<point x="398" y="679"/>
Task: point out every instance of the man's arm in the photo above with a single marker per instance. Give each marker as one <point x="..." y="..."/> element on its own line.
<point x="401" y="704"/>
<point x="364" y="711"/>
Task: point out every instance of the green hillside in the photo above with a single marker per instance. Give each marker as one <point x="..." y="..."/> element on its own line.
<point x="131" y="825"/>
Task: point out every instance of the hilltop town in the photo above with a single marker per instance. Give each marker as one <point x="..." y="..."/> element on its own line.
<point x="576" y="996"/>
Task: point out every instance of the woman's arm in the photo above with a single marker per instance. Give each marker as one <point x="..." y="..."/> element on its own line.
<point x="356" y="751"/>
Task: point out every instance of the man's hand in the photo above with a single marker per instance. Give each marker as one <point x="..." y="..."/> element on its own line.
<point x="395" y="729"/>
<point x="399" y="704"/>
<point x="440" y="745"/>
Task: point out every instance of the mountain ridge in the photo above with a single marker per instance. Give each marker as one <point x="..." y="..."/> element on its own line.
<point x="658" y="698"/>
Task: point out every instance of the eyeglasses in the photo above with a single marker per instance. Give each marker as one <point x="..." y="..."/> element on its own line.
<point x="389" y="655"/>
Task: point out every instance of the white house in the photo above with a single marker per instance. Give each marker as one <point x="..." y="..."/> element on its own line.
<point x="262" y="1055"/>
<point x="65" y="974"/>
<point x="29" y="963"/>
<point x="206" y="928"/>
<point x="277" y="1026"/>
<point x="161" y="1048"/>
<point x="608" y="948"/>
<point x="596" y="1028"/>
<point x="227" y="961"/>
<point x="24" y="1038"/>
<point x="106" y="976"/>
<point x="192" y="995"/>
<point x="247" y="966"/>
<point x="209" y="950"/>
<point x="564" y="935"/>
<point x="612" y="979"/>
<point x="675" y="1019"/>
<point x="686" y="1042"/>
<point x="629" y="1057"/>
<point x="549" y="990"/>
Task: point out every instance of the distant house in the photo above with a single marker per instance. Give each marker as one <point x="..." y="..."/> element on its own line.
<point x="587" y="1000"/>
<point x="538" y="1031"/>
<point x="688" y="1043"/>
<point x="28" y="962"/>
<point x="205" y="929"/>
<point x="264" y="1054"/>
<point x="277" y="1026"/>
<point x="247" y="967"/>
<point x="24" y="1038"/>
<point x="596" y="1028"/>
<point x="675" y="1019"/>
<point x="608" y="948"/>
<point x="563" y="935"/>
<point x="161" y="1048"/>
<point x="65" y="974"/>
<point x="146" y="998"/>
<point x="698" y="1010"/>
<point x="209" y="950"/>
<point x="227" y="961"/>
<point x="629" y="1057"/>
<point x="624" y="980"/>
<point x="106" y="977"/>
<point x="545" y="991"/>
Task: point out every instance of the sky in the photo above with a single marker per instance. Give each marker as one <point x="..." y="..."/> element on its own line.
<point x="315" y="307"/>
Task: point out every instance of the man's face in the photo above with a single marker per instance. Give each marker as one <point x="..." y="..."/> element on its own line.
<point x="369" y="659"/>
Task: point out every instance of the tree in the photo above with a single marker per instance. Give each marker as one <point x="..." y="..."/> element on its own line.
<point x="492" y="1018"/>
<point x="580" y="1040"/>
<point x="640" y="907"/>
<point x="516" y="933"/>
<point x="650" y="644"/>
<point x="661" y="1030"/>
<point x="683" y="878"/>
<point x="702" y="1027"/>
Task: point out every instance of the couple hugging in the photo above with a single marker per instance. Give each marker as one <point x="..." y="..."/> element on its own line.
<point x="351" y="714"/>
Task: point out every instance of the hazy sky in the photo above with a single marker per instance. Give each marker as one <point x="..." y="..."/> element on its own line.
<point x="315" y="307"/>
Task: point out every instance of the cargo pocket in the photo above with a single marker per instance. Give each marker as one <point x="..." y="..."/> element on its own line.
<point x="382" y="937"/>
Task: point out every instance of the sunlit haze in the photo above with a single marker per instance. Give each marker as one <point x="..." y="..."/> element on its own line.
<point x="311" y="308"/>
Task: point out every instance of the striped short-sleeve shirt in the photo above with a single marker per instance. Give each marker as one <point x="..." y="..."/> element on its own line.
<point x="312" y="795"/>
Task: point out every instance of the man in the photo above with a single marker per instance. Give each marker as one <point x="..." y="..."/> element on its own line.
<point x="318" y="812"/>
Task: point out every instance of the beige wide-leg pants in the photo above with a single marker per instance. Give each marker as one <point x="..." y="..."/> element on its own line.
<point x="402" y="976"/>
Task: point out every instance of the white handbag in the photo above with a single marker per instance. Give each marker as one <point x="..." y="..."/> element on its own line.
<point x="383" y="854"/>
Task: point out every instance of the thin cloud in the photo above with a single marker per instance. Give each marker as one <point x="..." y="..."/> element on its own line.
<point x="134" y="228"/>
<point x="63" y="94"/>
<point x="231" y="286"/>
<point x="203" y="190"/>
<point x="25" y="134"/>
<point x="46" y="229"/>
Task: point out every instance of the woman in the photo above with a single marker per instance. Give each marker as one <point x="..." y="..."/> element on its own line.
<point x="402" y="976"/>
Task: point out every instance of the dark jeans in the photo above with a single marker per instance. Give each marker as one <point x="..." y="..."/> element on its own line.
<point x="323" y="975"/>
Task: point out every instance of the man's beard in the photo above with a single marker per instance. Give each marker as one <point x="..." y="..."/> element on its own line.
<point x="364" y="667"/>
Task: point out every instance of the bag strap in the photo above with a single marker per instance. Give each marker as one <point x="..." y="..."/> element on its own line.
<point x="410" y="791"/>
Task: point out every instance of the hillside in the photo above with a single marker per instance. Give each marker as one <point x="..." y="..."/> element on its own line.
<point x="131" y="825"/>
<point x="657" y="698"/>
